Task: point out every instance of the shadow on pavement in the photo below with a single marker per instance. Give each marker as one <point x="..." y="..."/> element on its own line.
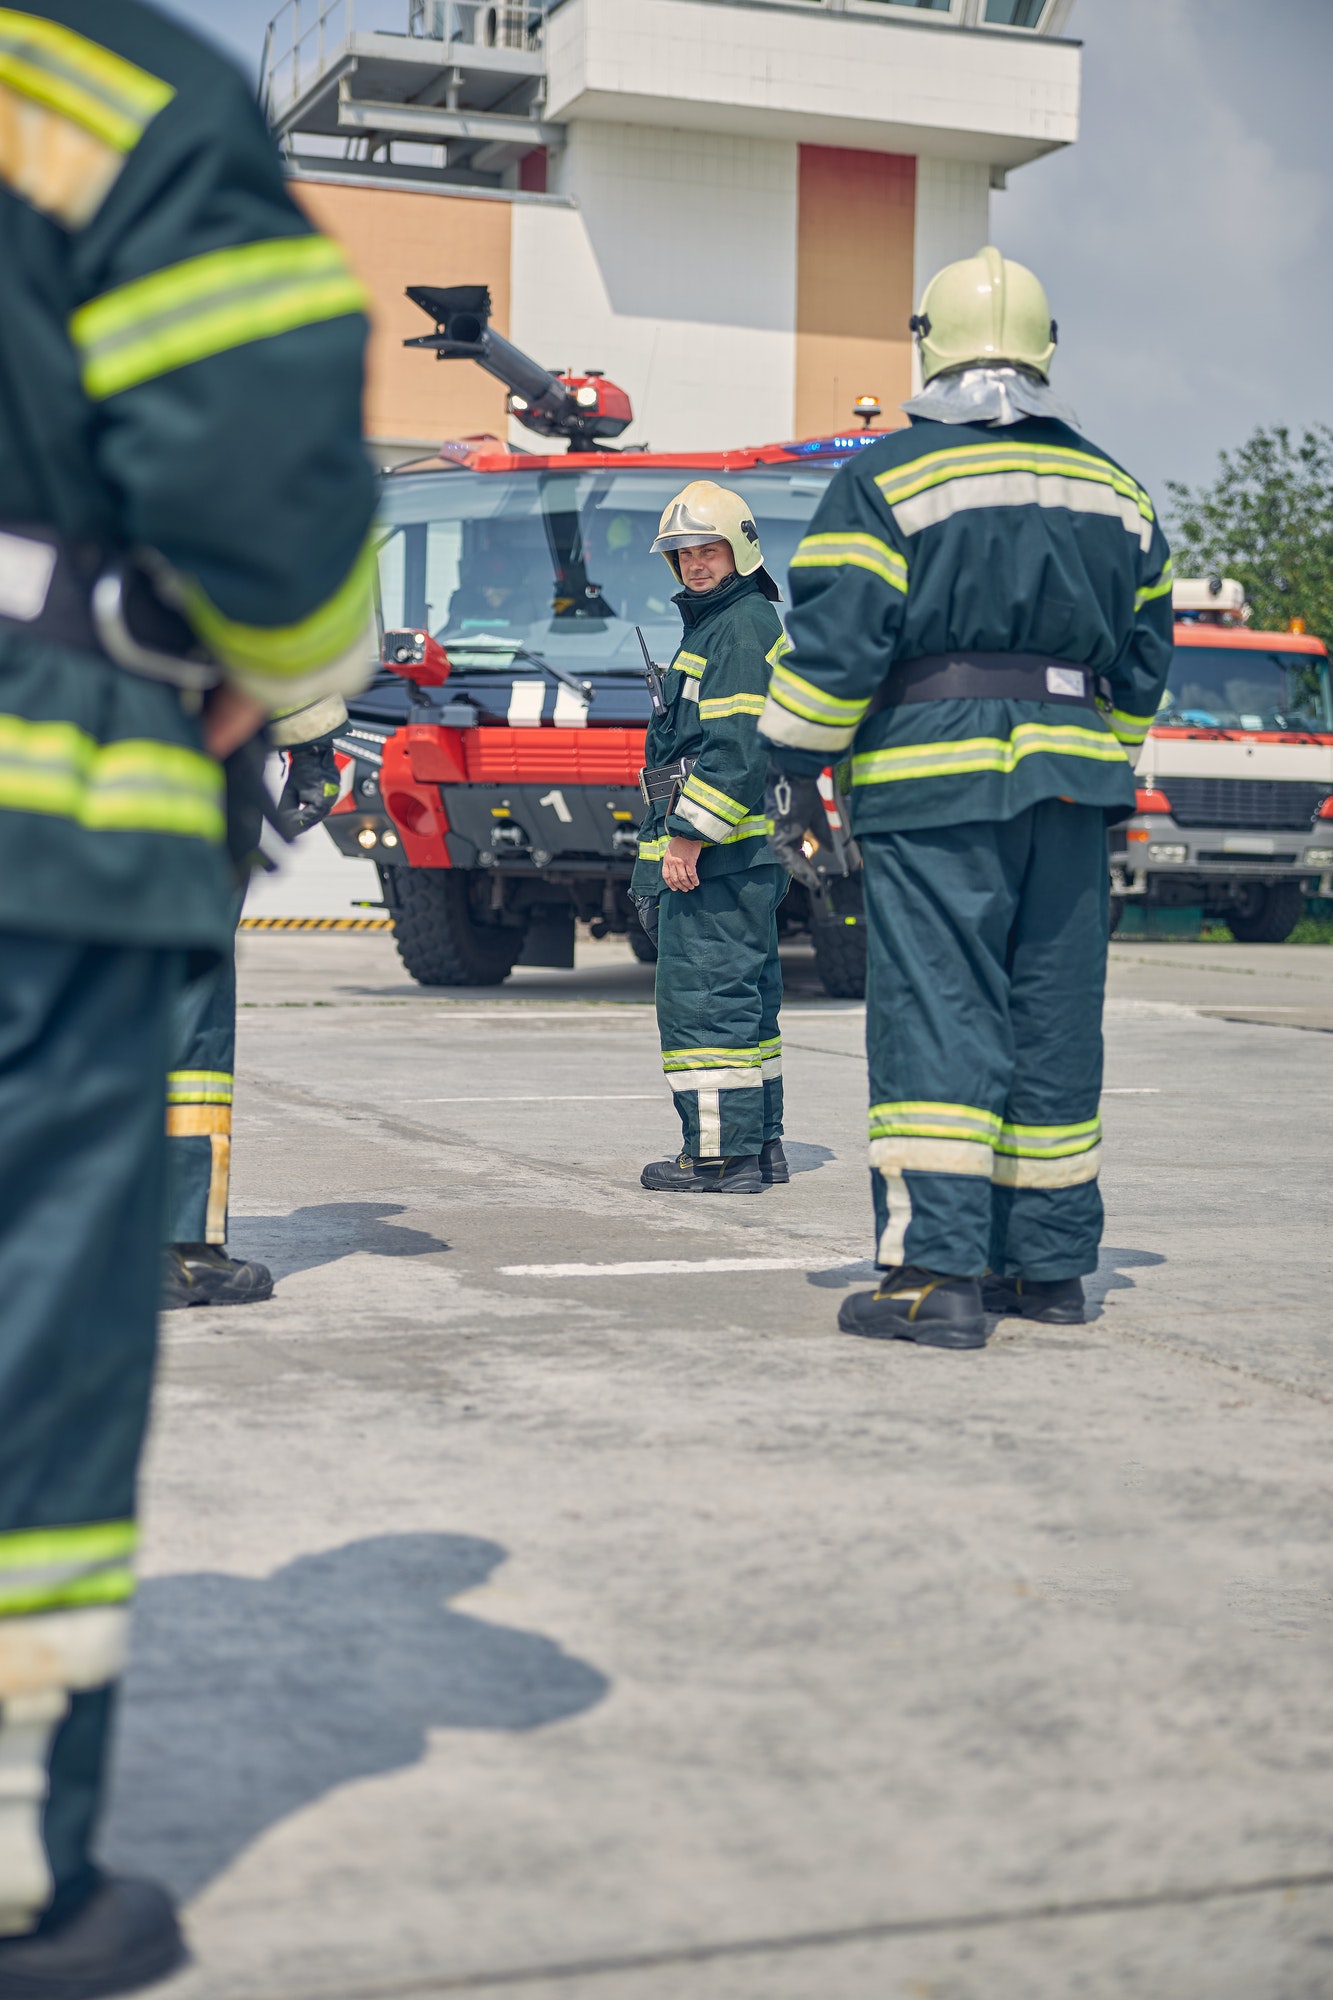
<point x="325" y="1231"/>
<point x="1111" y="1266"/>
<point x="805" y="1159"/>
<point x="248" y="1699"/>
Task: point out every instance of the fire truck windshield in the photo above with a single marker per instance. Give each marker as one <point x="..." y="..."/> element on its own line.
<point x="1245" y="687"/>
<point x="559" y="562"/>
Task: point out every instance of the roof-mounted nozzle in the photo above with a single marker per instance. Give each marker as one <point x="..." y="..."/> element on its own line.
<point x="586" y="409"/>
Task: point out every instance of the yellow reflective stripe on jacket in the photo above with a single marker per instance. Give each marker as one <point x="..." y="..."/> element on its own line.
<point x="984" y="753"/>
<point x="207" y="305"/>
<point x="78" y="79"/>
<point x="753" y="828"/>
<point x="1049" y="1142"/>
<point x="720" y="1058"/>
<point x="718" y="709"/>
<point x="126" y="787"/>
<point x="50" y="1569"/>
<point x="199" y="1086"/>
<point x="971" y="461"/>
<point x="791" y="690"/>
<point x="691" y="664"/>
<point x="852" y="551"/>
<point x="1159" y="589"/>
<point x="286" y="651"/>
<point x="918" y="1119"/>
<point x="712" y="800"/>
<point x="1130" y="729"/>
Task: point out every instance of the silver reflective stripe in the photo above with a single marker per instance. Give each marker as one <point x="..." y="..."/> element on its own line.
<point x="28" y="1724"/>
<point x="892" y="1246"/>
<point x="716" y="1079"/>
<point x="1071" y="1171"/>
<point x="966" y="493"/>
<point x="710" y="1125"/>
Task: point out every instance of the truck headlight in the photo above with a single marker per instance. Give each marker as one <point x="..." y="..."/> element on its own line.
<point x="367" y="837"/>
<point x="388" y="840"/>
<point x="1318" y="857"/>
<point x="1168" y="851"/>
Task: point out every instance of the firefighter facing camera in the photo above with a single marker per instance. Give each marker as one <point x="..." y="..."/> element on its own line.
<point x="982" y="623"/>
<point x="705" y="882"/>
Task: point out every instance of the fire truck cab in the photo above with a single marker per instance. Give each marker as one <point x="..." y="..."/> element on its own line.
<point x="1235" y="778"/>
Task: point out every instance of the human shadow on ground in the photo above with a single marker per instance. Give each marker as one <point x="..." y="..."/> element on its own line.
<point x="806" y="1159"/>
<point x="323" y="1232"/>
<point x="1112" y="1264"/>
<point x="248" y="1699"/>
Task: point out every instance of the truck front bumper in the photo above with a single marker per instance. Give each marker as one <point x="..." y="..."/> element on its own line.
<point x="1152" y="857"/>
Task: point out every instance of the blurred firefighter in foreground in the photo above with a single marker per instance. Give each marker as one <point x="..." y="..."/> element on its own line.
<point x="982" y="619"/>
<point x="184" y="505"/>
<point x="198" y="1270"/>
<point x="705" y="880"/>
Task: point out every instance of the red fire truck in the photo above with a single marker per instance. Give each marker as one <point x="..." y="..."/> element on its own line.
<point x="491" y="770"/>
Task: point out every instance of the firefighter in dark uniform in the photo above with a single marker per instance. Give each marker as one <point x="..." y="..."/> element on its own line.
<point x="199" y="1270"/>
<point x="705" y="876"/>
<point x="982" y="617"/>
<point x="181" y="472"/>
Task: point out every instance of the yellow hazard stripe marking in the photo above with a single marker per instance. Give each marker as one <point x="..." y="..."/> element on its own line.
<point x="712" y="800"/>
<point x="316" y="923"/>
<point x="1161" y="588"/>
<point x="1049" y="1142"/>
<point x="924" y="1119"/>
<point x="199" y="1086"/>
<point x="1130" y="729"/>
<point x="208" y="305"/>
<point x="717" y="1058"/>
<point x="791" y="691"/>
<point x="691" y="664"/>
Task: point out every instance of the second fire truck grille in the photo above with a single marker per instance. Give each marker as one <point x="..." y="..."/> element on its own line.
<point x="1273" y="804"/>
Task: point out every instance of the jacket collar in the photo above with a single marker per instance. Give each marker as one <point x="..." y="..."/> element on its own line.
<point x="697" y="607"/>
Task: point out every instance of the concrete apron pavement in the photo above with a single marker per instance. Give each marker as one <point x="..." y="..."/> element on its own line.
<point x="627" y="1632"/>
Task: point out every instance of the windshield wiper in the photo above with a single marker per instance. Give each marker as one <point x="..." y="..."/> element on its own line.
<point x="583" y="689"/>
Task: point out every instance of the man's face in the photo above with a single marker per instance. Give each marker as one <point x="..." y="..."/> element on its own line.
<point x="703" y="568"/>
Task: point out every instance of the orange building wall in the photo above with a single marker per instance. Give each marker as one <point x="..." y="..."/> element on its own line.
<point x="396" y="239"/>
<point x="856" y="224"/>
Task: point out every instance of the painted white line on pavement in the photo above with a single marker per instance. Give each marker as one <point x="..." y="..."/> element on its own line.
<point x="593" y="1097"/>
<point x="671" y="1266"/>
<point x="1129" y="1090"/>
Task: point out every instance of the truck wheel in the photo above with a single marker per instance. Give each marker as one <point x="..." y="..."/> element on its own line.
<point x="437" y="939"/>
<point x="1269" y="914"/>
<point x="643" y="947"/>
<point x="840" y="959"/>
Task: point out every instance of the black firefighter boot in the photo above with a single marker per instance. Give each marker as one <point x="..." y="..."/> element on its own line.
<point x="124" y="1937"/>
<point x="202" y="1274"/>
<point x="773" y="1164"/>
<point x="924" y="1306"/>
<point x="739" y="1175"/>
<point x="1057" y="1301"/>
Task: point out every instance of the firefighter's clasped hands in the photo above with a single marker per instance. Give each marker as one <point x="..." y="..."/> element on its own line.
<point x="680" y="863"/>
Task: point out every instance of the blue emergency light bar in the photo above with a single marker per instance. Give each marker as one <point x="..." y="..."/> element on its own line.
<point x="831" y="447"/>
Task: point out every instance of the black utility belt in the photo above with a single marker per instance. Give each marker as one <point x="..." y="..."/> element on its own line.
<point x="96" y="600"/>
<point x="663" y="781"/>
<point x="986" y="677"/>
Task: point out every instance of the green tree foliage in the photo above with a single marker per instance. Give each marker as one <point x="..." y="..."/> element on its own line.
<point x="1268" y="521"/>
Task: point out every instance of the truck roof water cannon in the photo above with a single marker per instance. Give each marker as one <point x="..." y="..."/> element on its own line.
<point x="586" y="409"/>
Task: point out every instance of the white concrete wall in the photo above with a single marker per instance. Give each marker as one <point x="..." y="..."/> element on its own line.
<point x="952" y="215"/>
<point x="886" y="84"/>
<point x="676" y="274"/>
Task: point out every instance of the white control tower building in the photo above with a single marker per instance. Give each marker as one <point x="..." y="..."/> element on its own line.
<point x="729" y="206"/>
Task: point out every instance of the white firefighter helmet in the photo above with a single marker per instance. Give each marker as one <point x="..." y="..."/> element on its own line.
<point x="707" y="512"/>
<point x="984" y="309"/>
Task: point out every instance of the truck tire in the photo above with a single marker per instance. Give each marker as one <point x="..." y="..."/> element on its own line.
<point x="1269" y="914"/>
<point x="643" y="947"/>
<point x="840" y="959"/>
<point x="437" y="939"/>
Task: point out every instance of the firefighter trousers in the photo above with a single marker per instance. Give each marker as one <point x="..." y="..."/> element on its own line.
<point x="986" y="971"/>
<point x="199" y="1097"/>
<point x="719" y="988"/>
<point x="84" y="1046"/>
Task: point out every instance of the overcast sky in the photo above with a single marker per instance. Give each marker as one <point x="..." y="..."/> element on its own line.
<point x="1185" y="240"/>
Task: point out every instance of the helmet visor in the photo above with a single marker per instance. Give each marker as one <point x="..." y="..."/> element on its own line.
<point x="664" y="543"/>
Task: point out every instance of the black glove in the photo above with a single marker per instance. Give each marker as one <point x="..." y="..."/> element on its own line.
<point x="311" y="790"/>
<point x="795" y="807"/>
